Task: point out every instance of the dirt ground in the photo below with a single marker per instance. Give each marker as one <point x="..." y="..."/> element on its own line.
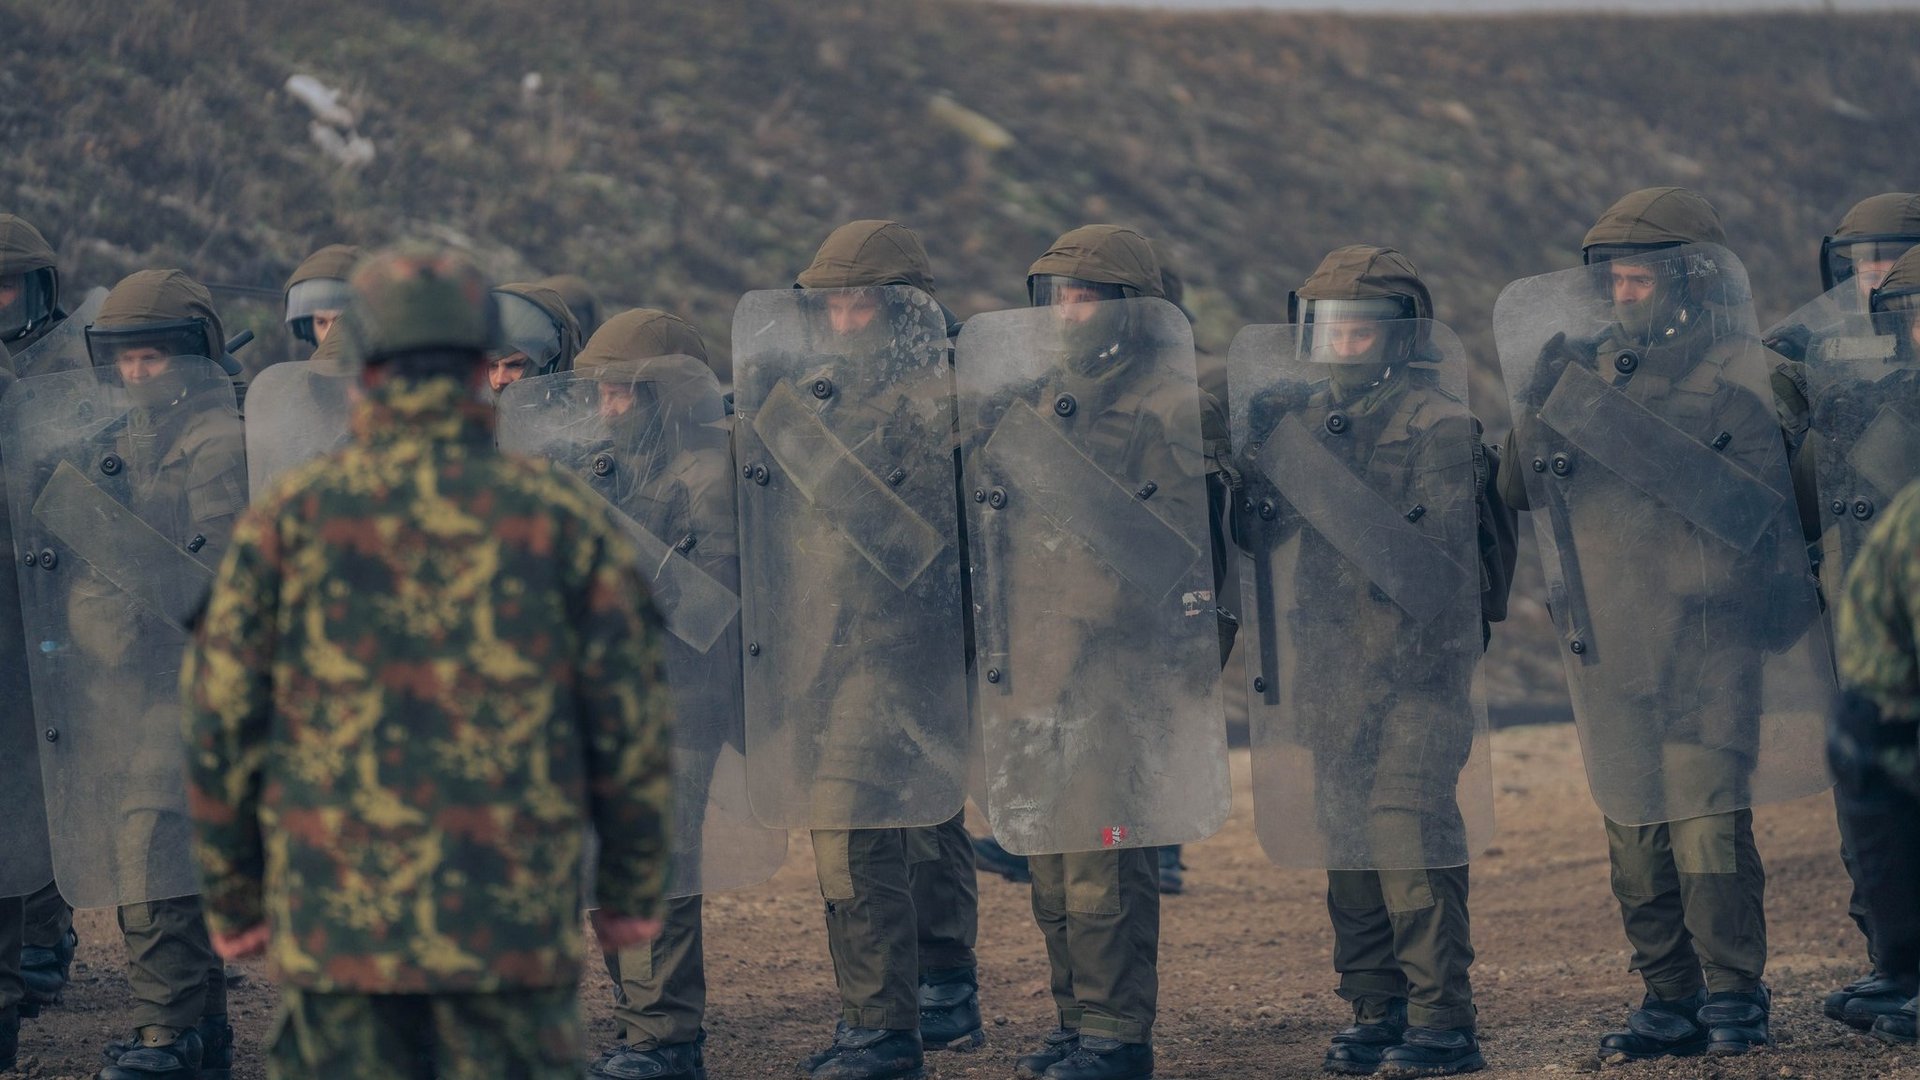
<point x="1246" y="986"/>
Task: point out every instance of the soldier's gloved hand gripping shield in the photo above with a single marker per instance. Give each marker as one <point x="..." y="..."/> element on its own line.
<point x="123" y="490"/>
<point x="856" y="696"/>
<point x="1677" y="573"/>
<point x="1862" y="381"/>
<point x="1097" y="669"/>
<point x="1359" y="529"/>
<point x="651" y="437"/>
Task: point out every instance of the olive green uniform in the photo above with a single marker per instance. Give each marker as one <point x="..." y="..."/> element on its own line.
<point x="899" y="902"/>
<point x="1691" y="892"/>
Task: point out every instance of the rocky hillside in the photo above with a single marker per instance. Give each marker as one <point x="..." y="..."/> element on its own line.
<point x="678" y="154"/>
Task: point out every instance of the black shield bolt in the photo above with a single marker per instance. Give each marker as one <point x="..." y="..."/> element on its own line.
<point x="48" y="560"/>
<point x="1267" y="510"/>
<point x="1562" y="465"/>
<point x="997" y="498"/>
<point x="1626" y="363"/>
<point x="1416" y="513"/>
<point x="110" y="464"/>
<point x="761" y="475"/>
<point x="898" y="474"/>
<point x="979" y="495"/>
<point x="823" y="388"/>
<point x="993" y="675"/>
<point x="1259" y="685"/>
<point x="53" y="734"/>
<point x="1146" y="490"/>
<point x="31" y="559"/>
<point x="1539" y="464"/>
<point x="1337" y="423"/>
<point x="602" y="464"/>
<point x="1839" y="508"/>
<point x="1064" y="405"/>
<point x="753" y="648"/>
<point x="1579" y="647"/>
<point x="1721" y="440"/>
<point x="1862" y="509"/>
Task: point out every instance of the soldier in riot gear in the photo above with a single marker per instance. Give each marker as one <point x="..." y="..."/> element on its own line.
<point x="1873" y="749"/>
<point x="126" y="480"/>
<point x="1098" y="687"/>
<point x="1855" y="384"/>
<point x="846" y="447"/>
<point x="37" y="941"/>
<point x="538" y="335"/>
<point x="641" y="420"/>
<point x="1656" y="467"/>
<point x="317" y="292"/>
<point x="1381" y="553"/>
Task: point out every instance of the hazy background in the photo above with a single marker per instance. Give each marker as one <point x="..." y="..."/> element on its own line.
<point x="678" y="155"/>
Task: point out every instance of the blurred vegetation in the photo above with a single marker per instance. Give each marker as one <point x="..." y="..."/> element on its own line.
<point x="678" y="154"/>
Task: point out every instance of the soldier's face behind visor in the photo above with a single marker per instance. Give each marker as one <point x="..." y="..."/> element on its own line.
<point x="505" y="370"/>
<point x="850" y="312"/>
<point x="141" y="363"/>
<point x="617" y="399"/>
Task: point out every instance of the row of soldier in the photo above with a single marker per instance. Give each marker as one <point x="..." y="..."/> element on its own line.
<point x="908" y="559"/>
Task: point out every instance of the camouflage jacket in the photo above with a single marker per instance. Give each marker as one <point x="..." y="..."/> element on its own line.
<point x="1879" y="657"/>
<point x="425" y="668"/>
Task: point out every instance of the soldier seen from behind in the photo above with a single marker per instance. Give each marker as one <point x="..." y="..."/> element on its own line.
<point x="426" y="668"/>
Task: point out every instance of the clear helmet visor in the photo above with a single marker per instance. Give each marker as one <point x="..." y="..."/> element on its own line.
<point x="319" y="298"/>
<point x="1863" y="260"/>
<point x="26" y="301"/>
<point x="526" y="330"/>
<point x="148" y="342"/>
<point x="1058" y="290"/>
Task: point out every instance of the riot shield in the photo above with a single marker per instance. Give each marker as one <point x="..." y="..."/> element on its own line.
<point x="25" y="858"/>
<point x="1863" y="394"/>
<point x="850" y="559"/>
<point x="122" y="498"/>
<point x="63" y="348"/>
<point x="1098" y="655"/>
<point x="294" y="415"/>
<point x="651" y="438"/>
<point x="1677" y="572"/>
<point x="1360" y="532"/>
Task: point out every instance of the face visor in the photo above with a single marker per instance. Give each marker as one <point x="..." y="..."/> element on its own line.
<point x="526" y="330"/>
<point x="1867" y="258"/>
<point x="179" y="337"/>
<point x="1058" y="290"/>
<point x="323" y="297"/>
<point x="26" y="301"/>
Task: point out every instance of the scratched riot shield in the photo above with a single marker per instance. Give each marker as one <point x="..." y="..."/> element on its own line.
<point x="123" y="495"/>
<point x="856" y="694"/>
<point x="295" y="414"/>
<point x="26" y="860"/>
<point x="1360" y="534"/>
<point x="1097" y="660"/>
<point x="63" y="348"/>
<point x="1863" y="395"/>
<point x="651" y="437"/>
<point x="1677" y="571"/>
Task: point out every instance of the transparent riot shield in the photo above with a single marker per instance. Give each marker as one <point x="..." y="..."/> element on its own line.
<point x="1098" y="655"/>
<point x="651" y="438"/>
<point x="1862" y="381"/>
<point x="850" y="559"/>
<point x="123" y="497"/>
<point x="26" y="861"/>
<point x="1360" y="535"/>
<point x="294" y="415"/>
<point x="1677" y="571"/>
<point x="64" y="348"/>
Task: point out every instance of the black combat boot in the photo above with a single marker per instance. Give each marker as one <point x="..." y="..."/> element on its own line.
<point x="1058" y="1045"/>
<point x="45" y="971"/>
<point x="216" y="1047"/>
<point x="1897" y="1027"/>
<point x="158" y="1053"/>
<point x="1429" y="1051"/>
<point x="988" y="855"/>
<point x="670" y="1061"/>
<point x="1172" y="882"/>
<point x="9" y="1036"/>
<point x="1357" y="1050"/>
<point x="1879" y="996"/>
<point x="1100" y="1058"/>
<point x="870" y="1054"/>
<point x="950" y="1010"/>
<point x="1659" y="1029"/>
<point x="1736" y="1022"/>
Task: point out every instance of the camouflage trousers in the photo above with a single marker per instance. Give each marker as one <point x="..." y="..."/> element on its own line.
<point x="522" y="1035"/>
